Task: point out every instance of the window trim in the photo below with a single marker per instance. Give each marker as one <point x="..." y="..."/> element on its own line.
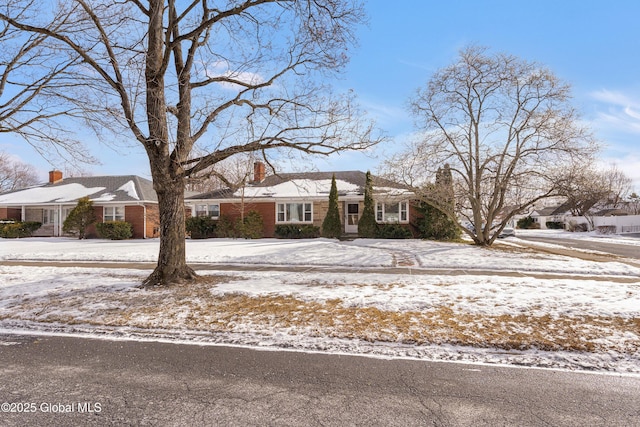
<point x="403" y="212"/>
<point x="49" y="216"/>
<point x="207" y="210"/>
<point x="113" y="215"/>
<point x="284" y="211"/>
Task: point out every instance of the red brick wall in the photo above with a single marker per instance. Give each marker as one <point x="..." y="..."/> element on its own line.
<point x="10" y="213"/>
<point x="267" y="210"/>
<point x="135" y="216"/>
<point x="153" y="221"/>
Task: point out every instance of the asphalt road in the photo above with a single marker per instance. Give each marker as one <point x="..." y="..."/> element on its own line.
<point x="628" y="251"/>
<point x="64" y="381"/>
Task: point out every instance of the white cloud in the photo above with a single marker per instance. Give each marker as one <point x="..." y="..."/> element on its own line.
<point x="615" y="98"/>
<point x="618" y="113"/>
<point x="629" y="164"/>
<point x="617" y="121"/>
<point x="632" y="113"/>
<point x="221" y="69"/>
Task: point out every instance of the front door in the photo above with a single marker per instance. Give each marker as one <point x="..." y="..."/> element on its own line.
<point x="351" y="221"/>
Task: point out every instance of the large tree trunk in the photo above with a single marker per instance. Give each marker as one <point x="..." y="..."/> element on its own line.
<point x="172" y="266"/>
<point x="168" y="176"/>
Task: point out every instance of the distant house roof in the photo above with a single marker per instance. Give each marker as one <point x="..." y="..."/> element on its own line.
<point x="127" y="188"/>
<point x="612" y="212"/>
<point x="308" y="184"/>
<point x="552" y="210"/>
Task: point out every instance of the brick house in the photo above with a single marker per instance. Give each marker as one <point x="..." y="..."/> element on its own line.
<point x="303" y="198"/>
<point x="124" y="198"/>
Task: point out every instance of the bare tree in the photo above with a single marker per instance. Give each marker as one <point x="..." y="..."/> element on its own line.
<point x="33" y="82"/>
<point x="633" y="203"/>
<point x="213" y="77"/>
<point x="618" y="185"/>
<point x="584" y="188"/>
<point x="232" y="173"/>
<point x="15" y="174"/>
<point x="589" y="190"/>
<point x="504" y="126"/>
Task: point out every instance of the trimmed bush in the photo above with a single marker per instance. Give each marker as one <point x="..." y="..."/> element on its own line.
<point x="201" y="227"/>
<point x="554" y="225"/>
<point x="226" y="228"/>
<point x="114" y="230"/>
<point x="252" y="227"/>
<point x="393" y="231"/>
<point x="293" y="231"/>
<point x="526" y="223"/>
<point x="11" y="229"/>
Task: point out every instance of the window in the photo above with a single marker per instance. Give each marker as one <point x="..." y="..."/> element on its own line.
<point x="49" y="216"/>
<point x="113" y="213"/>
<point x="212" y="211"/>
<point x="294" y="212"/>
<point x="392" y="212"/>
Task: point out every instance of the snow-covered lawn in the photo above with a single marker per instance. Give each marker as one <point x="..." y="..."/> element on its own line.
<point x="431" y="300"/>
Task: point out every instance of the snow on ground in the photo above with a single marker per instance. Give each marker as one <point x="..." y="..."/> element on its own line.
<point x="311" y="252"/>
<point x="590" y="236"/>
<point x="585" y="316"/>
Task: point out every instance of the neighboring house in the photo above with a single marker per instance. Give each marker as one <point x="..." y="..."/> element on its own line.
<point x="612" y="212"/>
<point x="303" y="198"/>
<point x="115" y="198"/>
<point x="608" y="220"/>
<point x="557" y="213"/>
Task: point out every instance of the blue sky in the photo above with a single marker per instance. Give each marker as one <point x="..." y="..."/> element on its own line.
<point x="593" y="45"/>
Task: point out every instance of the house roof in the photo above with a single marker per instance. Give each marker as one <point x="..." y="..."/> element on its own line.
<point x="308" y="184"/>
<point x="126" y="188"/>
<point x="552" y="210"/>
<point x="612" y="212"/>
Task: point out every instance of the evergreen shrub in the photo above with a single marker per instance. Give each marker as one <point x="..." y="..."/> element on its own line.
<point x="11" y="229"/>
<point x="294" y="231"/>
<point x="367" y="225"/>
<point x="115" y="230"/>
<point x="80" y="217"/>
<point x="226" y="228"/>
<point x="435" y="225"/>
<point x="393" y="231"/>
<point x="252" y="227"/>
<point x="201" y="227"/>
<point x="332" y="226"/>
<point x="527" y="223"/>
<point x="554" y="225"/>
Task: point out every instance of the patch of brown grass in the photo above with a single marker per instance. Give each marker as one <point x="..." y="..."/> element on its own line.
<point x="195" y="307"/>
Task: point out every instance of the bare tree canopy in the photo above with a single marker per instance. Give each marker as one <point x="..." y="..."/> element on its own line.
<point x="588" y="190"/>
<point x="504" y="126"/>
<point x="15" y="174"/>
<point x="33" y="82"/>
<point x="215" y="77"/>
